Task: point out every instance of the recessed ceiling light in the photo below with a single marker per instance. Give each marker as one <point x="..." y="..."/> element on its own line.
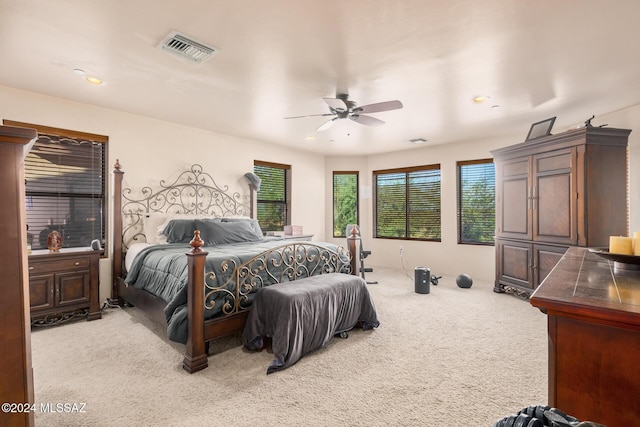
<point x="418" y="141"/>
<point x="95" y="80"/>
<point x="310" y="138"/>
<point x="480" y="99"/>
<point x="91" y="79"/>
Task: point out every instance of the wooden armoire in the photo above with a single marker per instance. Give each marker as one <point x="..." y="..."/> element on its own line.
<point x="16" y="376"/>
<point x="568" y="189"/>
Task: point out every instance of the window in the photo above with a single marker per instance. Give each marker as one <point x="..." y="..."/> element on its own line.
<point x="274" y="197"/>
<point x="65" y="187"/>
<point x="476" y="202"/>
<point x="345" y="201"/>
<point x="407" y="203"/>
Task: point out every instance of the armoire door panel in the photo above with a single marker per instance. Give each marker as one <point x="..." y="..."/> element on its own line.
<point x="546" y="259"/>
<point x="553" y="161"/>
<point x="519" y="167"/>
<point x="553" y="202"/>
<point x="515" y="263"/>
<point x="515" y="196"/>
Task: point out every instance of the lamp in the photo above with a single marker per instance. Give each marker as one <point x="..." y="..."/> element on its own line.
<point x="254" y="180"/>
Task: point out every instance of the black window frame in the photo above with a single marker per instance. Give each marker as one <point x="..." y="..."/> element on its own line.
<point x="416" y="209"/>
<point x="340" y="230"/>
<point x="483" y="221"/>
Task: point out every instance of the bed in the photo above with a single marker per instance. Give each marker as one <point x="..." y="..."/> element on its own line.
<point x="210" y="277"/>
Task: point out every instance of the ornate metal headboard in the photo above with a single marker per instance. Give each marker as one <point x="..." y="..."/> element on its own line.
<point x="193" y="192"/>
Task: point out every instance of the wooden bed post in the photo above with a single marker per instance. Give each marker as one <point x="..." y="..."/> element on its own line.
<point x="195" y="358"/>
<point x="117" y="233"/>
<point x="352" y="247"/>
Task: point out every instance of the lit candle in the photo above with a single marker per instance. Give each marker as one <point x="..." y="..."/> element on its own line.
<point x="621" y="245"/>
<point x="636" y="243"/>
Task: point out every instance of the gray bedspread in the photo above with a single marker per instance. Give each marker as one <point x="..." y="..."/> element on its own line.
<point x="303" y="315"/>
<point x="162" y="271"/>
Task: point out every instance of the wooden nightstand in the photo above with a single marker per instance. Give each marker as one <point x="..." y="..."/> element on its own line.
<point x="64" y="285"/>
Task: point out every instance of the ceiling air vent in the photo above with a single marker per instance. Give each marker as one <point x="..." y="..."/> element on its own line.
<point x="187" y="47"/>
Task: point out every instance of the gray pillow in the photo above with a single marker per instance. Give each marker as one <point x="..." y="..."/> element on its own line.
<point x="180" y="230"/>
<point x="221" y="232"/>
<point x="253" y="222"/>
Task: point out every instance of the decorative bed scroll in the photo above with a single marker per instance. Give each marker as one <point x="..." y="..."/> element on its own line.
<point x="193" y="192"/>
<point x="284" y="263"/>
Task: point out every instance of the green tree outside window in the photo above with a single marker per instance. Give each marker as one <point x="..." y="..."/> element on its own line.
<point x="345" y="201"/>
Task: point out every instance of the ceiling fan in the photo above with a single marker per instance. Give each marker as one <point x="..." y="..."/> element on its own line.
<point x="342" y="108"/>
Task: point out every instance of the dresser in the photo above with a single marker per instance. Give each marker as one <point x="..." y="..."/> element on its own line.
<point x="593" y="311"/>
<point x="568" y="189"/>
<point x="64" y="285"/>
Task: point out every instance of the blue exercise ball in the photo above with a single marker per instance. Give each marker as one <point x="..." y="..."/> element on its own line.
<point x="464" y="281"/>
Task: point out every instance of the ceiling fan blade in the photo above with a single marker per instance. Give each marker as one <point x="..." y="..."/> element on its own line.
<point x="326" y="125"/>
<point x="366" y="120"/>
<point x="309" y="115"/>
<point x="378" y="107"/>
<point x="336" y="104"/>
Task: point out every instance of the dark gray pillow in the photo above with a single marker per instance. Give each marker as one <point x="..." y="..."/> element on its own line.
<point x="254" y="223"/>
<point x="221" y="232"/>
<point x="180" y="230"/>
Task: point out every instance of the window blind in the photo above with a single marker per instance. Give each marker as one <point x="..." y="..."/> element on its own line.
<point x="273" y="200"/>
<point x="407" y="203"/>
<point x="476" y="202"/>
<point x="65" y="190"/>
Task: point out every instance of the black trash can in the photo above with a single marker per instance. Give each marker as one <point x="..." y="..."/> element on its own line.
<point x="423" y="280"/>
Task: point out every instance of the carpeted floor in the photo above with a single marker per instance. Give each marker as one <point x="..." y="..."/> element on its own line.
<point x="454" y="357"/>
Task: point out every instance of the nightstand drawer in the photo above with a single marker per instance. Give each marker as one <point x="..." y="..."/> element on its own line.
<point x="59" y="265"/>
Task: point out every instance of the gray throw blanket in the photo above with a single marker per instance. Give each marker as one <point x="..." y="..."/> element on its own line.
<point x="303" y="315"/>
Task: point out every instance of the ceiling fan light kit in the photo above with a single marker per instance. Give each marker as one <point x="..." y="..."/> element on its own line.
<point x="341" y="107"/>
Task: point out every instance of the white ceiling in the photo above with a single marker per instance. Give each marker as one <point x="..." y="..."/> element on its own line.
<point x="534" y="58"/>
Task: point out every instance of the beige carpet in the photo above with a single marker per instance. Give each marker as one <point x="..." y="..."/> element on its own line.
<point x="454" y="357"/>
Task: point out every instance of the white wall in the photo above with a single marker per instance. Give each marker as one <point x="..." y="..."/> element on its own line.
<point x="150" y="150"/>
<point x="629" y="118"/>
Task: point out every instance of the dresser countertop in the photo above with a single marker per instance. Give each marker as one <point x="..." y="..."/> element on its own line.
<point x="583" y="281"/>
